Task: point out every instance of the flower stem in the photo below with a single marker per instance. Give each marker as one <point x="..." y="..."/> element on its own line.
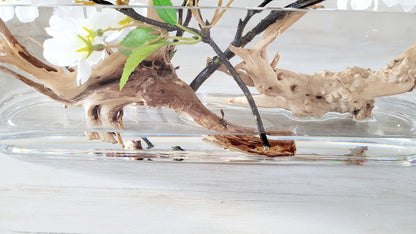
<point x="186" y="40"/>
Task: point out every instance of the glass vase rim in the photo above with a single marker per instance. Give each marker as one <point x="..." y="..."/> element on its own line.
<point x="245" y="8"/>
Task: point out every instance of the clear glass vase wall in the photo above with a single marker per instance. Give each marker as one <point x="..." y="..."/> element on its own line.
<point x="32" y="124"/>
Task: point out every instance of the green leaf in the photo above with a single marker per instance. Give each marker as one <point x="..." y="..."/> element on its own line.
<point x="137" y="38"/>
<point x="135" y="59"/>
<point x="166" y="14"/>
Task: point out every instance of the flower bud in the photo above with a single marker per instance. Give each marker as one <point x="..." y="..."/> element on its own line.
<point x="99" y="47"/>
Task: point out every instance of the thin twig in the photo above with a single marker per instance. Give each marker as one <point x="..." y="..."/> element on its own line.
<point x="242" y="23"/>
<point x="241" y="41"/>
<point x="185" y="23"/>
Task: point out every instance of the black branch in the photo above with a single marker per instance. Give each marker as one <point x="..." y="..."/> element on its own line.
<point x="243" y="87"/>
<point x="241" y="41"/>
<point x="223" y="57"/>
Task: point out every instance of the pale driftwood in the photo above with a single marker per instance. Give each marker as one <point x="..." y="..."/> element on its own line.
<point x="351" y="91"/>
<point x="154" y="83"/>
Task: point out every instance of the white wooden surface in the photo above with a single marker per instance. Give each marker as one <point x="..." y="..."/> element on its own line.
<point x="106" y="196"/>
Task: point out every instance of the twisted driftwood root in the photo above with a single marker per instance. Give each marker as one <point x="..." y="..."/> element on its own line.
<point x="154" y="83"/>
<point x="351" y="91"/>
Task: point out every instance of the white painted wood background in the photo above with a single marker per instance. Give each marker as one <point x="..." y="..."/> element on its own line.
<point x="106" y="196"/>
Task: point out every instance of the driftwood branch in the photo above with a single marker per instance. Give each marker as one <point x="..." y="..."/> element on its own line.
<point x="154" y="83"/>
<point x="154" y="20"/>
<point x="351" y="91"/>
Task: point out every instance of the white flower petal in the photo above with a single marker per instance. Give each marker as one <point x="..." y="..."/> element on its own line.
<point x="6" y="13"/>
<point x="58" y="24"/>
<point x="106" y="18"/>
<point x="117" y="36"/>
<point x="67" y="25"/>
<point x="26" y="13"/>
<point x="83" y="72"/>
<point x="96" y="57"/>
<point x="60" y="52"/>
<point x="360" y="4"/>
<point x="76" y="12"/>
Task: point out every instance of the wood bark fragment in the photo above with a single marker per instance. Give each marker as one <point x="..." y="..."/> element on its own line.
<point x="252" y="145"/>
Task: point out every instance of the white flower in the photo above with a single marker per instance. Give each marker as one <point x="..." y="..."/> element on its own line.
<point x="23" y="13"/>
<point x="407" y="5"/>
<point x="78" y="36"/>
